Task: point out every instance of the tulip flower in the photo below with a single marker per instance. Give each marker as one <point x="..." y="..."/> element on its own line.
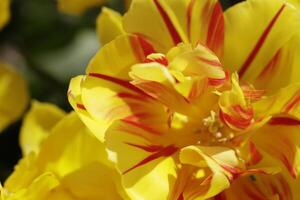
<point x="77" y="7"/>
<point x="189" y="101"/>
<point x="70" y="164"/>
<point x="37" y="126"/>
<point x="12" y="103"/>
<point x="4" y="12"/>
<point x="13" y="95"/>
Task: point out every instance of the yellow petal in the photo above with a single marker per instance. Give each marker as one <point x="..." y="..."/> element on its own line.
<point x="235" y="111"/>
<point x="106" y="94"/>
<point x="69" y="147"/>
<point x="159" y="23"/>
<point x="273" y="24"/>
<point x="38" y="189"/>
<point x="217" y="159"/>
<point x="107" y="101"/>
<point x="205" y="24"/>
<point x="74" y="96"/>
<point x="77" y="7"/>
<point x="195" y="61"/>
<point x="177" y="79"/>
<point x="155" y="80"/>
<point x="285" y="61"/>
<point x="284" y="134"/>
<point x="4" y="12"/>
<point x="141" y="161"/>
<point x="235" y="96"/>
<point x="168" y="23"/>
<point x="13" y="95"/>
<point x="24" y="174"/>
<point x="285" y="101"/>
<point x="76" y="158"/>
<point x="159" y="178"/>
<point x="282" y="112"/>
<point x="95" y="181"/>
<point x="200" y="156"/>
<point x="258" y="186"/>
<point x="116" y="57"/>
<point x="295" y="3"/>
<point x="37" y="125"/>
<point x="109" y="25"/>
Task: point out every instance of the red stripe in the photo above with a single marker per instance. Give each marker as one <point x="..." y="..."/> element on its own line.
<point x="252" y="94"/>
<point x="294" y="102"/>
<point x="164" y="152"/>
<point x="216" y="81"/>
<point x="172" y="30"/>
<point x="271" y="65"/>
<point x="142" y="126"/>
<point x="162" y="60"/>
<point x="255" y="156"/>
<point x="286" y="188"/>
<point x="253" y="193"/>
<point x="215" y="34"/>
<point x="237" y="122"/>
<point x="220" y="196"/>
<point x="146" y="45"/>
<point x="189" y="17"/>
<point x="80" y="106"/>
<point x="181" y="196"/>
<point x="123" y="83"/>
<point x="137" y="50"/>
<point x="287" y="121"/>
<point x="260" y="42"/>
<point x="137" y="117"/>
<point x="150" y="148"/>
<point x="290" y="166"/>
<point x="215" y="63"/>
<point x="230" y="169"/>
<point x="126" y="95"/>
<point x="244" y="113"/>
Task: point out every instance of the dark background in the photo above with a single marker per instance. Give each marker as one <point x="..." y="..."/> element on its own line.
<point x="50" y="48"/>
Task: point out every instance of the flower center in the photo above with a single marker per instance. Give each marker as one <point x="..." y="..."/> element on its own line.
<point x="213" y="131"/>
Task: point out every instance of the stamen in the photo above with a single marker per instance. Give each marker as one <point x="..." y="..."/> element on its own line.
<point x="214" y="124"/>
<point x="214" y="132"/>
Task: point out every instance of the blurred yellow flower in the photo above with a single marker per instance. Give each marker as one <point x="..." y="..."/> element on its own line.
<point x="77" y="7"/>
<point x="13" y="89"/>
<point x="71" y="164"/>
<point x="13" y="95"/>
<point x="161" y="98"/>
<point x="4" y="12"/>
<point x="37" y="125"/>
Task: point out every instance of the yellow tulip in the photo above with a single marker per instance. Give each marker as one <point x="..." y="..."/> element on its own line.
<point x="13" y="89"/>
<point x="13" y="95"/>
<point x="4" y="12"/>
<point x="37" y="126"/>
<point x="77" y="7"/>
<point x="161" y="98"/>
<point x="70" y="164"/>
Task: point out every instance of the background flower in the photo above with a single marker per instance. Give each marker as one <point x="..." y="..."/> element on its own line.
<point x="5" y="13"/>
